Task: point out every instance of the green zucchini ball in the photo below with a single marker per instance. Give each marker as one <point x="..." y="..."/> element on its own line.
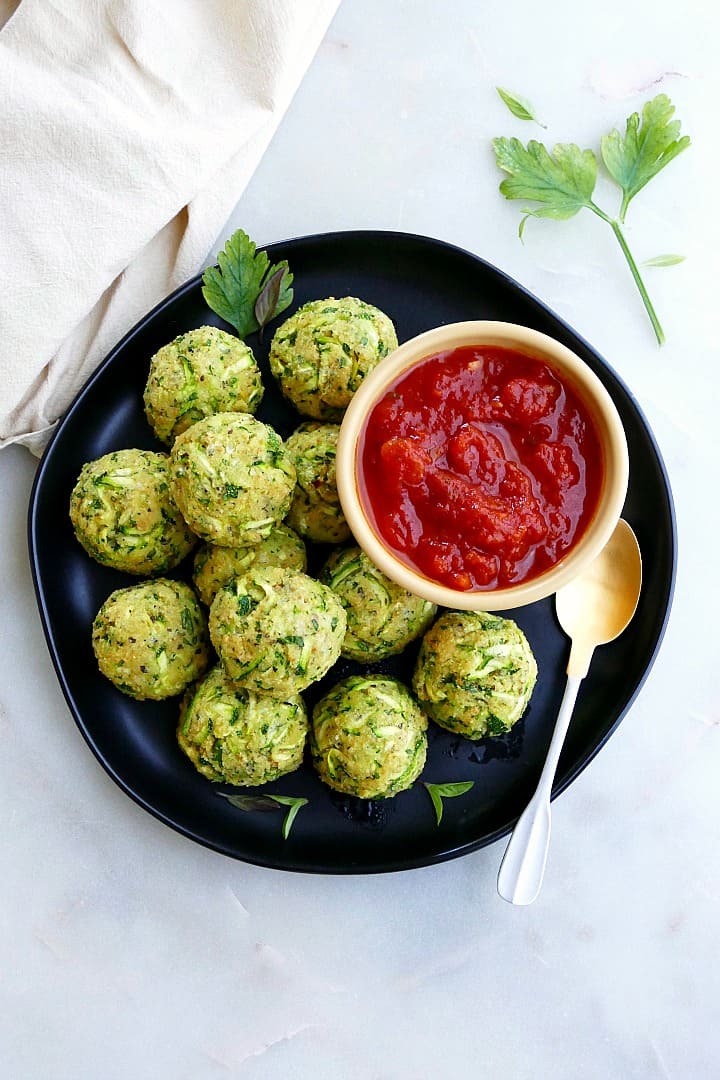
<point x="276" y="630"/>
<point x="201" y="372"/>
<point x="315" y="512"/>
<point x="474" y="673"/>
<point x="215" y="566"/>
<point x="235" y="736"/>
<point x="124" y="515"/>
<point x="150" y="640"/>
<point x="321" y="354"/>
<point x="232" y="478"/>
<point x="382" y="617"/>
<point x="368" y="737"/>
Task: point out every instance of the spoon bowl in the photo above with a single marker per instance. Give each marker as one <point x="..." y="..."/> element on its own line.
<point x="597" y="605"/>
<point x="593" y="609"/>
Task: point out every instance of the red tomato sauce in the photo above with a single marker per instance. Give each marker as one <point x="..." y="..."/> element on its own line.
<point x="480" y="468"/>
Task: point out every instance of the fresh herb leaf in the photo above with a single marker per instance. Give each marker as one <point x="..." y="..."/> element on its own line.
<point x="664" y="260"/>
<point x="295" y="804"/>
<point x="438" y="792"/>
<point x="250" y="802"/>
<point x="268" y="803"/>
<point x="563" y="181"/>
<point x="647" y="146"/>
<point x="233" y="287"/>
<point x="267" y="302"/>
<point x="518" y="106"/>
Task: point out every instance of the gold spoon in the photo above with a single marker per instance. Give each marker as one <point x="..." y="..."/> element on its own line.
<point x="593" y="609"/>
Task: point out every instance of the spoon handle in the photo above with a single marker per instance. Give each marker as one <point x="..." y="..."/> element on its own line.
<point x="523" y="866"/>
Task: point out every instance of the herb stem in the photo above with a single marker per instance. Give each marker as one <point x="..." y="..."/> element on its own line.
<point x="615" y="226"/>
<point x="659" y="334"/>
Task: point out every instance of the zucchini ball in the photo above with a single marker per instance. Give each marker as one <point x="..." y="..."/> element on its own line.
<point x="368" y="737"/>
<point x="474" y="673"/>
<point x="202" y="372"/>
<point x="276" y="630"/>
<point x="315" y="512"/>
<point x="215" y="566"/>
<point x="150" y="640"/>
<point x="235" y="736"/>
<point x="232" y="478"/>
<point x="382" y="617"/>
<point x="321" y="354"/>
<point x="123" y="513"/>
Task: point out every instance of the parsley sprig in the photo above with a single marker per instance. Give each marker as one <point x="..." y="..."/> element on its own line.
<point x="563" y="181"/>
<point x="244" y="289"/>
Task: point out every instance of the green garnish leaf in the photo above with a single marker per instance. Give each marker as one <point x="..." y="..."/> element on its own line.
<point x="438" y="792"/>
<point x="518" y="106"/>
<point x="233" y="288"/>
<point x="664" y="260"/>
<point x="268" y="803"/>
<point x="267" y="302"/>
<point x="295" y="804"/>
<point x="250" y="802"/>
<point x="563" y="181"/>
<point x="647" y="146"/>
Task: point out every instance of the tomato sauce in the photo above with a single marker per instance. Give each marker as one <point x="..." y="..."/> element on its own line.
<point x="480" y="468"/>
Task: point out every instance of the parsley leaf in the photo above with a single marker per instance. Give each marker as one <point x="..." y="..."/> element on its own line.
<point x="563" y="181"/>
<point x="438" y="792"/>
<point x="233" y="288"/>
<point x="646" y="148"/>
<point x="518" y="106"/>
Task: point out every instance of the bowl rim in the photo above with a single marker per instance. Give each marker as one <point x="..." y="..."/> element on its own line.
<point x="586" y="384"/>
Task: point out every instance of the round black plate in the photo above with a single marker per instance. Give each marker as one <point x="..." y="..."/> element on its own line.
<point x="420" y="283"/>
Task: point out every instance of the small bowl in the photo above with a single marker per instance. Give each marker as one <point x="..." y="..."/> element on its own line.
<point x="574" y="372"/>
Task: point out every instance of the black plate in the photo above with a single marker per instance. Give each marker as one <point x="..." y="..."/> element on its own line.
<point x="420" y="283"/>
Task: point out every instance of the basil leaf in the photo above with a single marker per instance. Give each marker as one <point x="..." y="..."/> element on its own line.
<point x="268" y="803"/>
<point x="438" y="792"/>
<point x="267" y="302"/>
<point x="295" y="804"/>
<point x="250" y="802"/>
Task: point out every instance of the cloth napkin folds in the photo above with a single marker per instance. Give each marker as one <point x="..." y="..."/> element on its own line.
<point x="128" y="131"/>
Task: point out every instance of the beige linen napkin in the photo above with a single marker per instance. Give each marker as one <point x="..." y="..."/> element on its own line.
<point x="128" y="130"/>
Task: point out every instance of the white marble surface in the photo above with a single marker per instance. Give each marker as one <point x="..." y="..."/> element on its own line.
<point x="128" y="952"/>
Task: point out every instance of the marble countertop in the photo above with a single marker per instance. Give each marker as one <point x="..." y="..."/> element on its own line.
<point x="128" y="952"/>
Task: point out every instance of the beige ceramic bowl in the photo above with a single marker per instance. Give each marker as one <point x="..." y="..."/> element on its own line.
<point x="573" y="371"/>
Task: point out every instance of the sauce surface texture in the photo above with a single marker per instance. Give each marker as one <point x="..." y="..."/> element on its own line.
<point x="480" y="468"/>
